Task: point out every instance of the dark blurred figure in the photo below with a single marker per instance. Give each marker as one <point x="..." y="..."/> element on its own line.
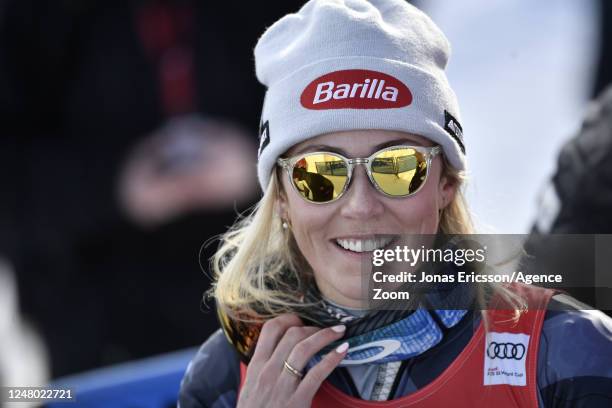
<point x="578" y="199"/>
<point x="581" y="196"/>
<point x="106" y="250"/>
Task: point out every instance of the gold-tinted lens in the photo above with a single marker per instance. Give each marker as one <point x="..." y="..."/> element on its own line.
<point x="399" y="172"/>
<point x="320" y="177"/>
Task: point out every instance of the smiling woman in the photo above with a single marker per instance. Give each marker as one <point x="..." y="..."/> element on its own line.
<point x="361" y="142"/>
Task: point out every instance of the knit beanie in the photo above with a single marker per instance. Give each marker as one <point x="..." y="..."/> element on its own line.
<point x="339" y="65"/>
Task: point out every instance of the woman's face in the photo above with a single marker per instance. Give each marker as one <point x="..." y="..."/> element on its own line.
<point x="360" y="214"/>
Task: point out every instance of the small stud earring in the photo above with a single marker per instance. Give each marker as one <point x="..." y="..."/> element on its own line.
<point x="285" y="225"/>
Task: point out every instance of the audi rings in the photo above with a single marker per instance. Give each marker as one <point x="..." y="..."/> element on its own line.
<point x="512" y="351"/>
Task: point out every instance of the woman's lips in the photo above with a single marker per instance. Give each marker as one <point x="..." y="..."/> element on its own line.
<point x="359" y="247"/>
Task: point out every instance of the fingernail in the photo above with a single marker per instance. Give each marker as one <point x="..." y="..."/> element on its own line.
<point x="342" y="348"/>
<point x="339" y="328"/>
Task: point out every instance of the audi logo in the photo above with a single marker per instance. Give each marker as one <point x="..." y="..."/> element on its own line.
<point x="509" y="351"/>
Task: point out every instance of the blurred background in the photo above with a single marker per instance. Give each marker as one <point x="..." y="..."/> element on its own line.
<point x="129" y="134"/>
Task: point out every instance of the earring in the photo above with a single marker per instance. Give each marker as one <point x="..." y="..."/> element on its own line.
<point x="286" y="224"/>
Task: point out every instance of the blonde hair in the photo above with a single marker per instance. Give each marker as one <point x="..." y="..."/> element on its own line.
<point x="260" y="273"/>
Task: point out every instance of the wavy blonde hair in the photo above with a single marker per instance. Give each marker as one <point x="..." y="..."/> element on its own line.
<point x="260" y="273"/>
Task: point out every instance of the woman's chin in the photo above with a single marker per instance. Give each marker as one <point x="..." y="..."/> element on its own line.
<point x="348" y="292"/>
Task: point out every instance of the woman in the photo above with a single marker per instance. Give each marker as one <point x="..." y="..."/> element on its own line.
<point x="361" y="143"/>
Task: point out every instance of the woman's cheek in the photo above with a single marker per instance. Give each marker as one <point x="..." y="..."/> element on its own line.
<point x="304" y="232"/>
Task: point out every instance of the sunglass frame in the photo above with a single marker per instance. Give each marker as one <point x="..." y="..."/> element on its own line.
<point x="288" y="164"/>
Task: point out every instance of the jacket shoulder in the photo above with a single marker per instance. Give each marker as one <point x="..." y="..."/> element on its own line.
<point x="575" y="355"/>
<point x="212" y="377"/>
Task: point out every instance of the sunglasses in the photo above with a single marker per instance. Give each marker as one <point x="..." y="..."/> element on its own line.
<point x="323" y="177"/>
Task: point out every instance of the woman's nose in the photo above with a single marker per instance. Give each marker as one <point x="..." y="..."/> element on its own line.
<point x="361" y="200"/>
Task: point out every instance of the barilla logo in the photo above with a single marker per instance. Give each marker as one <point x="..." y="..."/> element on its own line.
<point x="356" y="89"/>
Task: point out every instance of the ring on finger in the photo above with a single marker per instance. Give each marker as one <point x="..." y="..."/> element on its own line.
<point x="293" y="371"/>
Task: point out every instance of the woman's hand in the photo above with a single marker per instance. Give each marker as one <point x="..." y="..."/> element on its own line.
<point x="269" y="383"/>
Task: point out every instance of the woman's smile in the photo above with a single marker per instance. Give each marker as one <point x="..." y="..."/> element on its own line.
<point x="363" y="244"/>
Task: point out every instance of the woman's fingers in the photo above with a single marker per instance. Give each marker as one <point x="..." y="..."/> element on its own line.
<point x="301" y="352"/>
<point x="286" y="339"/>
<point x="312" y="381"/>
<point x="271" y="333"/>
<point x="293" y="336"/>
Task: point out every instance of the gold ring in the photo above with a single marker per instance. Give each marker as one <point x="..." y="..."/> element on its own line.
<point x="293" y="371"/>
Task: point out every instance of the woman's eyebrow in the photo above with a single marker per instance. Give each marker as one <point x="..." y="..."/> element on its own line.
<point x="397" y="142"/>
<point x="327" y="148"/>
<point x="321" y="148"/>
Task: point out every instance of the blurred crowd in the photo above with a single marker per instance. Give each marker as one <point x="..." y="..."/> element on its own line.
<point x="129" y="135"/>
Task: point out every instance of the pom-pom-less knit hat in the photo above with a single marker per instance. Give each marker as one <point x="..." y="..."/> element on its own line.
<point x="339" y="65"/>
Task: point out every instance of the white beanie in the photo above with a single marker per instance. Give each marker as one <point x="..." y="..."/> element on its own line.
<point x="339" y="65"/>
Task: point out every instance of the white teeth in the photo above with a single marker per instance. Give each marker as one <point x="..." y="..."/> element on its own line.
<point x="363" y="245"/>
